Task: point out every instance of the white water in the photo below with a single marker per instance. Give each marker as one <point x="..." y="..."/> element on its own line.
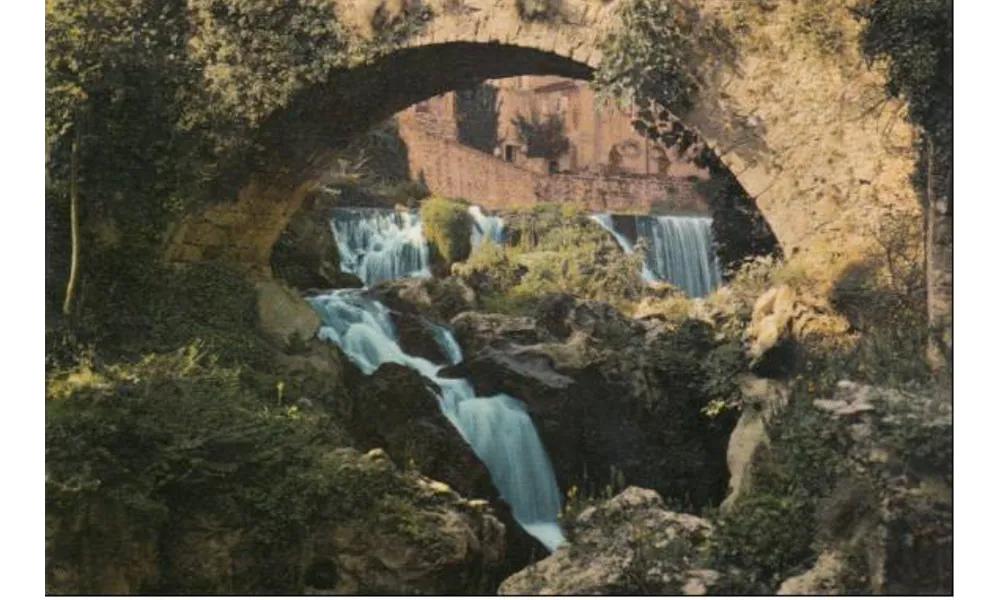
<point x="486" y="227"/>
<point x="497" y="428"/>
<point x="679" y="250"/>
<point x="378" y="245"/>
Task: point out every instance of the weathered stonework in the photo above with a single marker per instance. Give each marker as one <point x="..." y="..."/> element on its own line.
<point x="807" y="132"/>
<point x="456" y="171"/>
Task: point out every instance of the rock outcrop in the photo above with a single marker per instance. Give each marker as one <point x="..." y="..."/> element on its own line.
<point x="435" y="543"/>
<point x="436" y="299"/>
<point x="630" y="544"/>
<point x="782" y="320"/>
<point x="885" y="525"/>
<point x="283" y="315"/>
<point x="762" y="400"/>
<point x="892" y="512"/>
<point x="592" y="381"/>
<point x="395" y="409"/>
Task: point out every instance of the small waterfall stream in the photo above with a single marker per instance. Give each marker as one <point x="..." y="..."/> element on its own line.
<point x="679" y="250"/>
<point x="486" y="227"/>
<point x="379" y="245"/>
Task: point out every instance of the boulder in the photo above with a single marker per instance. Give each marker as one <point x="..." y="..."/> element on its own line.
<point x="283" y="315"/>
<point x="422" y="539"/>
<point x="475" y="330"/>
<point x="781" y="321"/>
<point x="589" y="380"/>
<point x="396" y="410"/>
<point x="416" y="337"/>
<point x="436" y="299"/>
<point x="563" y="314"/>
<point x="630" y="544"/>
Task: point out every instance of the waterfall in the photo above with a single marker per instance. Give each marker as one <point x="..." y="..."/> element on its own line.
<point x="678" y="250"/>
<point x="604" y="220"/>
<point x="486" y="227"/>
<point x="497" y="428"/>
<point x="380" y="244"/>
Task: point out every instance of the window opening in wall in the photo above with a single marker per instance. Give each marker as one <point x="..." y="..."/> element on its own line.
<point x="510" y="153"/>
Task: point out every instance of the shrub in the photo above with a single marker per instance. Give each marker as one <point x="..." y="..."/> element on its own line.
<point x="447" y="227"/>
<point x="555" y="248"/>
<point x="133" y="307"/>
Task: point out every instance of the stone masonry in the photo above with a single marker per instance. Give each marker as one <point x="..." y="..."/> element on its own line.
<point x="795" y="125"/>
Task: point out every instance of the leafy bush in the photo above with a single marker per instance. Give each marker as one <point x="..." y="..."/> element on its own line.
<point x="133" y="307"/>
<point x="554" y="248"/>
<point x="447" y="227"/>
<point x="150" y="433"/>
<point x="176" y="434"/>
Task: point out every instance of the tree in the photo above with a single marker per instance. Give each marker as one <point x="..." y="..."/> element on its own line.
<point x="477" y="115"/>
<point x="544" y="137"/>
<point x="150" y="102"/>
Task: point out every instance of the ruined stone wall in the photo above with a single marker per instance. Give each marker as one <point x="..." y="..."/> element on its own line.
<point x="456" y="171"/>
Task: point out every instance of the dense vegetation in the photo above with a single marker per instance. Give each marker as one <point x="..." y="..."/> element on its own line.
<point x="447" y="225"/>
<point x="553" y="248"/>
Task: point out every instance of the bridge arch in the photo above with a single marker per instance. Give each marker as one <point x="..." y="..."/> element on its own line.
<point x="820" y="157"/>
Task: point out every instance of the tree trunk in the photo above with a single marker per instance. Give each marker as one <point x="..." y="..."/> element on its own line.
<point x="939" y="252"/>
<point x="74" y="223"/>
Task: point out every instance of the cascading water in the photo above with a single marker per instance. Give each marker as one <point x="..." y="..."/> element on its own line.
<point x="679" y="250"/>
<point x="380" y="244"/>
<point x="486" y="227"/>
<point x="497" y="428"/>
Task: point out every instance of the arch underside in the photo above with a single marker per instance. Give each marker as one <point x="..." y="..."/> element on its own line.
<point x="297" y="147"/>
<point x="325" y="118"/>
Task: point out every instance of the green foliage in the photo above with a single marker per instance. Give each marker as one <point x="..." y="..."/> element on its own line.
<point x="555" y="249"/>
<point x="447" y="227"/>
<point x="884" y="299"/>
<point x="545" y="137"/>
<point x="477" y="117"/>
<point x="650" y="57"/>
<point x="176" y="434"/>
<point x="916" y="37"/>
<point x="658" y="60"/>
<point x="157" y="431"/>
<point x="768" y="534"/>
<point x="135" y="307"/>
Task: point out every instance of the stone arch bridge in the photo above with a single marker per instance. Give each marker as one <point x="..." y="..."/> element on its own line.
<point x="807" y="133"/>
